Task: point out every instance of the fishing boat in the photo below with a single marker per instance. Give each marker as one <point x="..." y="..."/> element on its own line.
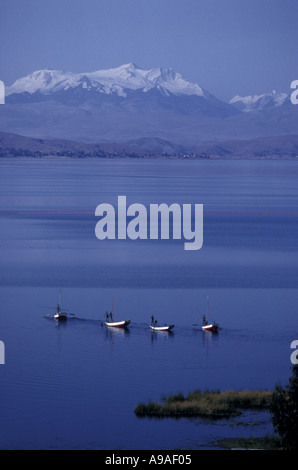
<point x="110" y="322"/>
<point x="118" y="324"/>
<point x="161" y="328"/>
<point x="206" y="326"/>
<point x="155" y="327"/>
<point x="59" y="315"/>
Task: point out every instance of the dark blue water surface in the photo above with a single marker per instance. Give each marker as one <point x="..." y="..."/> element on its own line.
<point x="75" y="385"/>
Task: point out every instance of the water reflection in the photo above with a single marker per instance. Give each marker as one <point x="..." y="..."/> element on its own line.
<point x="113" y="332"/>
<point x="161" y="335"/>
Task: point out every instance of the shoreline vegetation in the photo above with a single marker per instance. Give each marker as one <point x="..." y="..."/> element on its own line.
<point x="207" y="404"/>
<point x="214" y="405"/>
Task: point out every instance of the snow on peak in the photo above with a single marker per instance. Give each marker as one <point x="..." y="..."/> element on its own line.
<point x="116" y="80"/>
<point x="259" y="102"/>
<point x="45" y="81"/>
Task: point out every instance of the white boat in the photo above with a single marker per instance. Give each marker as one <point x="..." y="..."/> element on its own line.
<point x="155" y="327"/>
<point x="161" y="328"/>
<point x="59" y="315"/>
<point x="213" y="327"/>
<point x="110" y="322"/>
<point x="117" y="324"/>
<point x="206" y="326"/>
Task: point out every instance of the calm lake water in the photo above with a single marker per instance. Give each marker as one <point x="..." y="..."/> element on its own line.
<point x="75" y="385"/>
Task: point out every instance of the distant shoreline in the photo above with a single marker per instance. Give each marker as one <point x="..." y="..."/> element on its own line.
<point x="142" y="157"/>
<point x="262" y="148"/>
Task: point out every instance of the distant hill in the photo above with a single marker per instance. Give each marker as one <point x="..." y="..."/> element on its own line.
<point x="13" y="145"/>
<point x="281" y="147"/>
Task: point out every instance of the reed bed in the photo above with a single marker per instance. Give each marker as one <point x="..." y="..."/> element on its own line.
<point x="207" y="404"/>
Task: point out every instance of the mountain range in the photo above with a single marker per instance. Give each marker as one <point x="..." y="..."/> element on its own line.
<point x="154" y="110"/>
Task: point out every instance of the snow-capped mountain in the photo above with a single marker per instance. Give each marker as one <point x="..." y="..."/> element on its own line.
<point x="130" y="103"/>
<point x="259" y="102"/>
<point x="112" y="81"/>
<point x="112" y="105"/>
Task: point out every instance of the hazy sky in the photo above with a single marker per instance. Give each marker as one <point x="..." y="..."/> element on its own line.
<point x="229" y="47"/>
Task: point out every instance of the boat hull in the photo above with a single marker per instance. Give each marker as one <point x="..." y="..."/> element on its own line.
<point x="212" y="327"/>
<point x="117" y="324"/>
<point x="162" y="328"/>
<point x="60" y="317"/>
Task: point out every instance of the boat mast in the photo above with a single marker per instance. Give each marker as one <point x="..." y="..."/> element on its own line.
<point x="207" y="310"/>
<point x="59" y="304"/>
